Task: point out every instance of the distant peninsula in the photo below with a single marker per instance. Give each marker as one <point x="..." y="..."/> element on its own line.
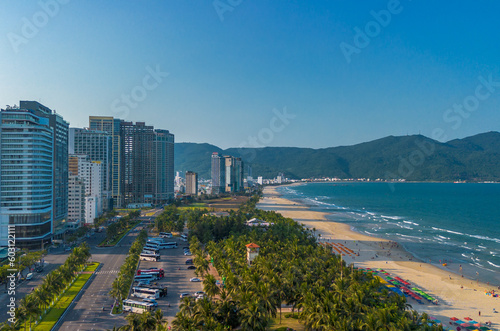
<point x="411" y="158"/>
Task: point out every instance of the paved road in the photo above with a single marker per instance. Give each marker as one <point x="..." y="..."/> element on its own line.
<point x="52" y="261"/>
<point x="88" y="313"/>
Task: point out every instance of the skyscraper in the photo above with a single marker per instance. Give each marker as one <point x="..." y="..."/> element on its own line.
<point x="234" y="174"/>
<point x="98" y="146"/>
<point x="191" y="183"/>
<point x="112" y="127"/>
<point x="227" y="174"/>
<point x="90" y="173"/>
<point x="60" y="161"/>
<point x="148" y="166"/>
<point x="27" y="177"/>
<point x="218" y="173"/>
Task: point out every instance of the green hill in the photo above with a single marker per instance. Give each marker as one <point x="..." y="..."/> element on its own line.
<point x="415" y="157"/>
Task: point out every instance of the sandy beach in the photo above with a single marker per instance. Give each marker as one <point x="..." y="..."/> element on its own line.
<point x="457" y="296"/>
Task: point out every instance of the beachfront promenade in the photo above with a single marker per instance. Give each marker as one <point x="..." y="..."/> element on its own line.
<point x="456" y="296"/>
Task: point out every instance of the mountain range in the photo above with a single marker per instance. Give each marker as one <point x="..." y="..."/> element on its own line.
<point x="413" y="157"/>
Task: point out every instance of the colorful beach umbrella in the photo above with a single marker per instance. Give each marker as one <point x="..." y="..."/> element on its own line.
<point x="468" y="319"/>
<point x="465" y="325"/>
<point x="454" y="319"/>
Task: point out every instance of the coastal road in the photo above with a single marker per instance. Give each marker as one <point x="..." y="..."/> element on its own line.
<point x="88" y="313"/>
<point x="52" y="261"/>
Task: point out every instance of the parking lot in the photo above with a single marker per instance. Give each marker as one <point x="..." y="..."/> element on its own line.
<point x="177" y="276"/>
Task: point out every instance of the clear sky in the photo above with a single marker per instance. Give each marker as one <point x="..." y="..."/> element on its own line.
<point x="346" y="71"/>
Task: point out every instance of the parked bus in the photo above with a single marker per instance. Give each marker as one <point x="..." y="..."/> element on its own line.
<point x="159" y="272"/>
<point x="165" y="235"/>
<point x="144" y="292"/>
<point x="172" y="244"/>
<point x="163" y="290"/>
<point x="150" y="251"/>
<point x="152" y="246"/>
<point x="149" y="257"/>
<point x="137" y="306"/>
<point x="147" y="277"/>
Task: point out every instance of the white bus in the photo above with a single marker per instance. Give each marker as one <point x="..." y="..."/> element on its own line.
<point x="153" y="246"/>
<point x="149" y="257"/>
<point x="170" y="245"/>
<point x="150" y="251"/>
<point x="144" y="292"/>
<point x="137" y="306"/>
<point x="147" y="278"/>
<point x="165" y="235"/>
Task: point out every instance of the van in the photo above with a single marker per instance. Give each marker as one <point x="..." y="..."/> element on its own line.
<point x="184" y="237"/>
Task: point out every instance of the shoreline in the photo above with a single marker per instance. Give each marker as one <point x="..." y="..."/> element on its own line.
<point x="457" y="297"/>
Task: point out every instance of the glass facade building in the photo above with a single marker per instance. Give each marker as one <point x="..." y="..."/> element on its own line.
<point x="27" y="177"/>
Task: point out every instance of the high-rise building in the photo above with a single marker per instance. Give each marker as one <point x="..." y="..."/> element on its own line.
<point x="227" y="174"/>
<point x="76" y="198"/>
<point x="112" y="127"/>
<point x="98" y="146"/>
<point x="90" y="173"/>
<point x="218" y="173"/>
<point x="60" y="161"/>
<point x="234" y="174"/>
<point x="164" y="166"/>
<point x="191" y="183"/>
<point x="27" y="177"/>
<point x="148" y="167"/>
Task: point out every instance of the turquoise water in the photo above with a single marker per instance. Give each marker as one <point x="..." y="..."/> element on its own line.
<point x="454" y="223"/>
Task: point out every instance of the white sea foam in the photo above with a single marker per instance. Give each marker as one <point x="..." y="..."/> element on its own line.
<point x="490" y="263"/>
<point x="392" y="217"/>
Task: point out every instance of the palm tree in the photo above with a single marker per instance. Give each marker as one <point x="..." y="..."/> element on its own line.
<point x="254" y="317"/>
<point x="134" y="323"/>
<point x="31" y="307"/>
<point x="210" y="286"/>
<point x="42" y="296"/>
<point x="147" y="321"/>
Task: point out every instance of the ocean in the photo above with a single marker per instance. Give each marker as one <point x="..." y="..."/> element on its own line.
<point x="453" y="223"/>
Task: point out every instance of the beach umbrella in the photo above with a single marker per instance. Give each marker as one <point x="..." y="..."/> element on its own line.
<point x="454" y="319"/>
<point x="468" y="319"/>
<point x="465" y="325"/>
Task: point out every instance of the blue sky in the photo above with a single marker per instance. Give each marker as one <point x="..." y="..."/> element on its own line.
<point x="228" y="78"/>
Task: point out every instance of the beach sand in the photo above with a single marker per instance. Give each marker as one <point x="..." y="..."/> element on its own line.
<point x="441" y="283"/>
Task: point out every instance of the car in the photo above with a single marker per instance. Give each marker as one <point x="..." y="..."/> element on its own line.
<point x="194" y="279"/>
<point x="29" y="276"/>
<point x="191" y="267"/>
<point x="187" y="253"/>
<point x="184" y="248"/>
<point x="185" y="295"/>
<point x="153" y="301"/>
<point x="39" y="269"/>
<point x="67" y="249"/>
<point x="189" y="261"/>
<point x="198" y="293"/>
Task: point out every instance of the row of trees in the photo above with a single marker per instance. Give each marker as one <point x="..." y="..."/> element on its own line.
<point x="170" y="220"/>
<point x="23" y="260"/>
<point x="121" y="285"/>
<point x="291" y="269"/>
<point x="117" y="228"/>
<point x="145" y="322"/>
<point x="35" y="304"/>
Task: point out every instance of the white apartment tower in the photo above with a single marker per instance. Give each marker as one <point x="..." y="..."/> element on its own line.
<point x="90" y="173"/>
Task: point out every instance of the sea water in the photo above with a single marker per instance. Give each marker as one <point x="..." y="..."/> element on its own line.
<point x="453" y="223"/>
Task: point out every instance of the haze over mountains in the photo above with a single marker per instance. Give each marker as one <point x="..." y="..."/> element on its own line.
<point x="414" y="158"/>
